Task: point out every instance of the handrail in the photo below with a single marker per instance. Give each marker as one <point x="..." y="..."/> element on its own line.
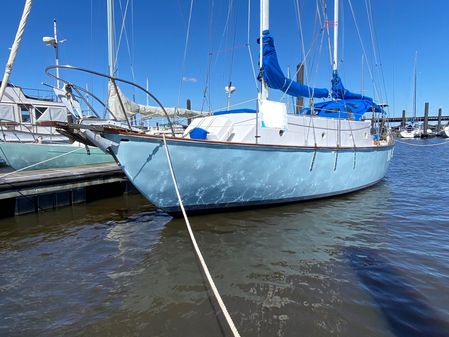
<point x="113" y="79"/>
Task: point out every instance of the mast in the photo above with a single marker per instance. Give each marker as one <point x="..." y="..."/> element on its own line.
<point x="15" y="46"/>
<point x="56" y="45"/>
<point x="414" y="87"/>
<point x="111" y="42"/>
<point x="264" y="25"/>
<point x="335" y="60"/>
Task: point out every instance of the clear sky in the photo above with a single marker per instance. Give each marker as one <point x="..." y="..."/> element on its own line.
<point x="157" y="30"/>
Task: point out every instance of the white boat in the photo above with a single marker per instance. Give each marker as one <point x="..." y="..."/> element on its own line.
<point x="262" y="157"/>
<point x="445" y="132"/>
<point x="35" y="156"/>
<point x="22" y="114"/>
<point x="26" y="142"/>
<point x="411" y="130"/>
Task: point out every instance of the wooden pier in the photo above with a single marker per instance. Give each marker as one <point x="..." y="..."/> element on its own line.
<point x="33" y="191"/>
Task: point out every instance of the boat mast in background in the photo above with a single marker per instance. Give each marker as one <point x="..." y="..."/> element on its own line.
<point x="414" y="87"/>
<point x="15" y="46"/>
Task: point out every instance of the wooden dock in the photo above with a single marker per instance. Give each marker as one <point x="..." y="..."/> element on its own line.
<point x="33" y="191"/>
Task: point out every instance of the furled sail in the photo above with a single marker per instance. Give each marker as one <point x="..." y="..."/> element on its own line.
<point x="275" y="78"/>
<point x="339" y="91"/>
<point x="15" y="46"/>
<point x="133" y="108"/>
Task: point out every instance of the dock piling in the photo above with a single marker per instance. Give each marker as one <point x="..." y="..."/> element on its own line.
<point x="440" y="112"/>
<point x="426" y="119"/>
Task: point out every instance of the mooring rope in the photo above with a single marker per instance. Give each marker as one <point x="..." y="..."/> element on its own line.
<point x="197" y="250"/>
<point x="41" y="162"/>
<point x="422" y="145"/>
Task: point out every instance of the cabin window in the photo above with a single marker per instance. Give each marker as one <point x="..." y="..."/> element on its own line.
<point x="39" y="111"/>
<point x="25" y="113"/>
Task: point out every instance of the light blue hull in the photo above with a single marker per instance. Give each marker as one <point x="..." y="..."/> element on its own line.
<point x="217" y="175"/>
<point x="26" y="155"/>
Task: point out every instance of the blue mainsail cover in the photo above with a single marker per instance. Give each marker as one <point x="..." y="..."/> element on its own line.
<point x="275" y="78"/>
<point x="339" y="91"/>
<point x="345" y="108"/>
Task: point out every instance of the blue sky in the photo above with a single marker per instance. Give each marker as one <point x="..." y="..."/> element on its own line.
<point x="157" y="40"/>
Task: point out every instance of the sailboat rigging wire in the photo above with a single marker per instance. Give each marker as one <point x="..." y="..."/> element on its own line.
<point x="124" y="31"/>
<point x="248" y="44"/>
<point x="233" y="49"/>
<point x="376" y="90"/>
<point x="185" y="55"/>
<point x="376" y="46"/>
<point x="234" y="105"/>
<point x="197" y="249"/>
<point x="325" y="24"/>
<point x="206" y="91"/>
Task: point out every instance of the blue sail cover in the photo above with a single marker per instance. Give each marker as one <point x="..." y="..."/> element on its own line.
<point x="275" y="78"/>
<point x="339" y="91"/>
<point x="345" y="108"/>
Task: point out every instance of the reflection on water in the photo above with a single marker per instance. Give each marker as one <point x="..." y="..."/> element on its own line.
<point x="373" y="263"/>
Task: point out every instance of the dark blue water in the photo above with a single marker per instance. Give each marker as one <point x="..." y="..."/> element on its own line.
<point x="373" y="263"/>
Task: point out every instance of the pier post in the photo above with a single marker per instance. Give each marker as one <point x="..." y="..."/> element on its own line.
<point x="404" y="121"/>
<point x="189" y="107"/>
<point x="440" y="112"/>
<point x="426" y="120"/>
<point x="299" y="79"/>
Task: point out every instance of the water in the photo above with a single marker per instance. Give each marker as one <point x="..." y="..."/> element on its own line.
<point x="373" y="263"/>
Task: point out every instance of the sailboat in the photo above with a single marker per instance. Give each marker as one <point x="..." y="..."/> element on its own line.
<point x="412" y="129"/>
<point x="27" y="138"/>
<point x="251" y="158"/>
<point x="445" y="132"/>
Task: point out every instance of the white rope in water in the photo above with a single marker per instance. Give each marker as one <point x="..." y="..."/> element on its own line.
<point x="41" y="162"/>
<point x="422" y="145"/>
<point x="197" y="250"/>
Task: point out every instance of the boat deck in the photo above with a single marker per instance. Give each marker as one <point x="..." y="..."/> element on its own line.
<point x="32" y="191"/>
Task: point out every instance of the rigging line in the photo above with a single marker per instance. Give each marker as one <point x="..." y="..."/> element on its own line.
<point x="373" y="45"/>
<point x="363" y="49"/>
<point x="318" y="52"/>
<point x="298" y="17"/>
<point x="123" y="30"/>
<point x="185" y="56"/>
<point x="206" y="91"/>
<point x="325" y="23"/>
<point x="233" y="47"/>
<point x="236" y="104"/>
<point x="248" y="44"/>
<point x="225" y="29"/>
<point x="376" y="46"/>
<point x="197" y="249"/>
<point x="305" y="55"/>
